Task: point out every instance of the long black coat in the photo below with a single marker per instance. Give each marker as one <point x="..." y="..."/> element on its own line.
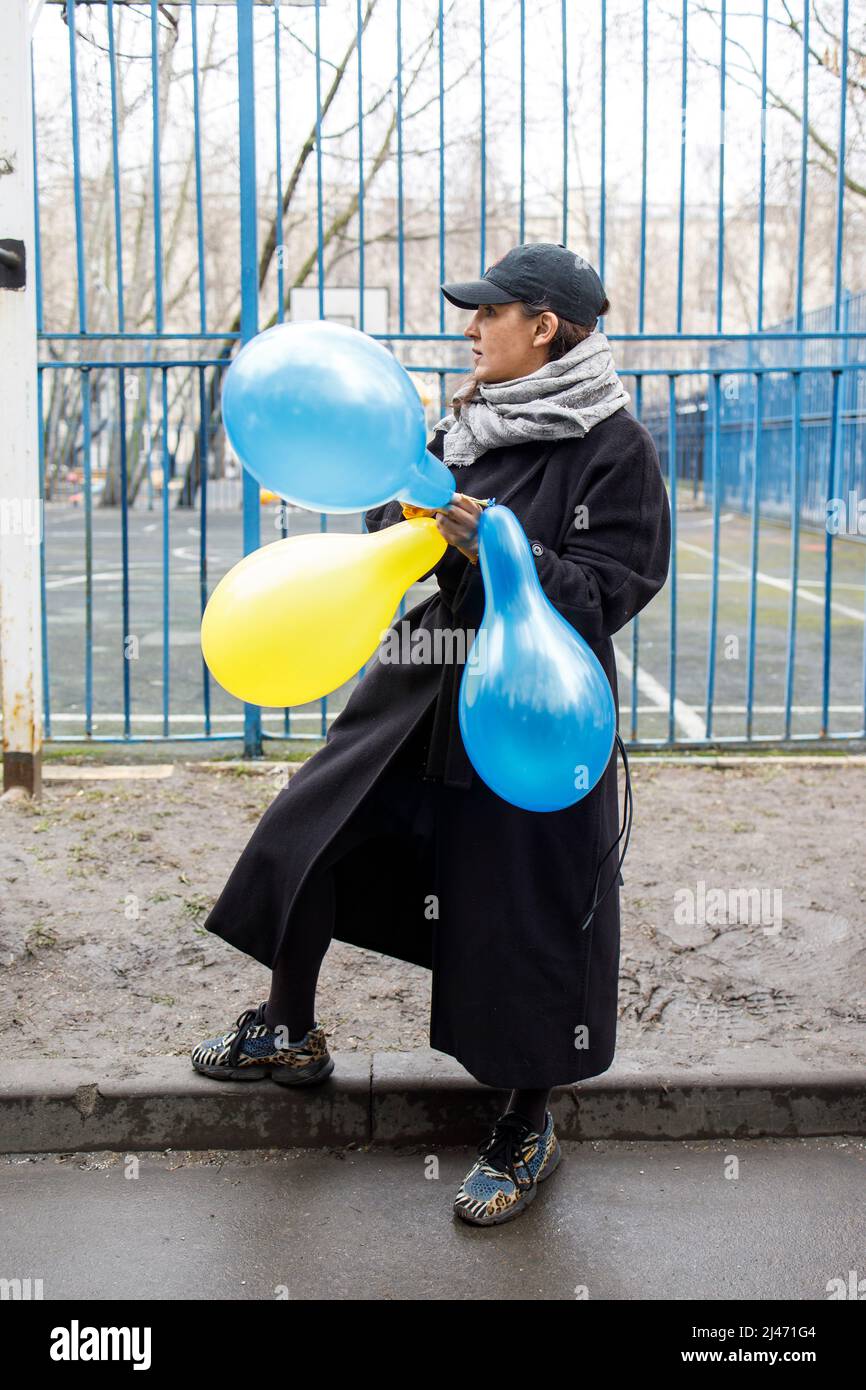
<point x="520" y="996"/>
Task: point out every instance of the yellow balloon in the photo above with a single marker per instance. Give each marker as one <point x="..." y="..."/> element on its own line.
<point x="296" y="619"/>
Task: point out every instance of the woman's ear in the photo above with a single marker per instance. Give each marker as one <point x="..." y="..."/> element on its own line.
<point x="546" y="328"/>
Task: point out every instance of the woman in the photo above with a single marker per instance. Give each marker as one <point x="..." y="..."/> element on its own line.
<point x="387" y="838"/>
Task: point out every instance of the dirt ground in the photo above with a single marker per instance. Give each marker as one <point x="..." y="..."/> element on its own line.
<point x="104" y="887"/>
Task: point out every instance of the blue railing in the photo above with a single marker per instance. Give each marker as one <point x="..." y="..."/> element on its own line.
<point x="802" y="397"/>
<point x="762" y="421"/>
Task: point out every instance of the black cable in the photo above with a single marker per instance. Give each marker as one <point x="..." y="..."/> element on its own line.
<point x="628" y="815"/>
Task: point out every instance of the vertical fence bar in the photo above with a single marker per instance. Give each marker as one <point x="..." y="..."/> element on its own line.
<point x="320" y="234"/>
<point x="672" y="479"/>
<point x="762" y="195"/>
<point x="203" y="452"/>
<point x="115" y="171"/>
<point x="81" y="280"/>
<point x="828" y="557"/>
<point x="795" y="548"/>
<point x="753" y="554"/>
<point x="564" y="26"/>
<point x="601" y="210"/>
<point x="804" y="150"/>
<point x="635" y="622"/>
<point x="84" y="377"/>
<point x="124" y="548"/>
<point x="441" y="165"/>
<point x="682" y="212"/>
<point x="483" y="210"/>
<point x="720" y="268"/>
<point x="714" y="597"/>
<point x="279" y="232"/>
<point x="522" y="237"/>
<point x="400" y="249"/>
<point x="643" y="170"/>
<point x="43" y="605"/>
<point x="250" y="284"/>
<point x="148" y="390"/>
<point x="157" y="182"/>
<point x="840" y="168"/>
<point x="166" y="553"/>
<point x="199" y="211"/>
<point x="360" y="30"/>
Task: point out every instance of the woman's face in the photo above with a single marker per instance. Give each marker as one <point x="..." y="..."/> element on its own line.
<point x="505" y="343"/>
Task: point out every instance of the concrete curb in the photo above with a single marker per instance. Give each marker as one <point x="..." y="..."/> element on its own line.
<point x="396" y="1098"/>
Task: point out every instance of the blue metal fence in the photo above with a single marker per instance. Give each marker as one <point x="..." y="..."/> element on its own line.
<point x="769" y="422"/>
<point x="813" y="387"/>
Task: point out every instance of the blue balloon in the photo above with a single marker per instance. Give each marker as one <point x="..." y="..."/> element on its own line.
<point x="536" y="709"/>
<point x="326" y="417"/>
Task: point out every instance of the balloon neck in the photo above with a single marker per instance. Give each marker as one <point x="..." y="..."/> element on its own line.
<point x="428" y="483"/>
<point x="510" y="576"/>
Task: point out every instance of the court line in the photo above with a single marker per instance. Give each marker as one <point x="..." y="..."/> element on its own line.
<point x="744" y="578"/>
<point x="757" y="760"/>
<point x="774" y="583"/>
<point x="707" y="521"/>
<point x="686" y="718"/>
<point x="75" y="579"/>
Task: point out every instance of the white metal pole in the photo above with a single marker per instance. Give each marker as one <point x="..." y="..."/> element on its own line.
<point x="20" y="508"/>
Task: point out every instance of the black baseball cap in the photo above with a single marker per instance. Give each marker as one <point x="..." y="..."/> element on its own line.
<point x="540" y="271"/>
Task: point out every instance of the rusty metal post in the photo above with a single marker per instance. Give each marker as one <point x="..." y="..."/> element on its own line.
<point x="20" y="503"/>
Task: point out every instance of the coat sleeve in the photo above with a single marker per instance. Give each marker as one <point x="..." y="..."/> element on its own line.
<point x="614" y="554"/>
<point x="377" y="518"/>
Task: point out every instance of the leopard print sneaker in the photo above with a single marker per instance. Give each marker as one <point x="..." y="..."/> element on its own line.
<point x="251" y="1051"/>
<point x="510" y="1165"/>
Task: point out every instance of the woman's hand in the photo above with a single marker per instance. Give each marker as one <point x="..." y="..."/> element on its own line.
<point x="458" y="523"/>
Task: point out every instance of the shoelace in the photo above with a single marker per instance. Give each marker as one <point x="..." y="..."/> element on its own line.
<point x="501" y="1150"/>
<point x="249" y="1019"/>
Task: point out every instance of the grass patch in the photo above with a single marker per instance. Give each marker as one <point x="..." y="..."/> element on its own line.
<point x="39" y="938"/>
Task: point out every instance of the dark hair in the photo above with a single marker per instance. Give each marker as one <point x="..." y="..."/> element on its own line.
<point x="567" y="336"/>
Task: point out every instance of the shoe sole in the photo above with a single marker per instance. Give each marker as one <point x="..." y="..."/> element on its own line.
<point x="552" y="1165"/>
<point x="276" y="1074"/>
<point x="308" y="1079"/>
<point x="514" y="1211"/>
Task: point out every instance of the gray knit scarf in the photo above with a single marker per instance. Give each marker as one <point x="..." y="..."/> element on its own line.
<point x="562" y="400"/>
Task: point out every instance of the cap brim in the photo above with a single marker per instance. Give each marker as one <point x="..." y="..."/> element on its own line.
<point x="471" y="293"/>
